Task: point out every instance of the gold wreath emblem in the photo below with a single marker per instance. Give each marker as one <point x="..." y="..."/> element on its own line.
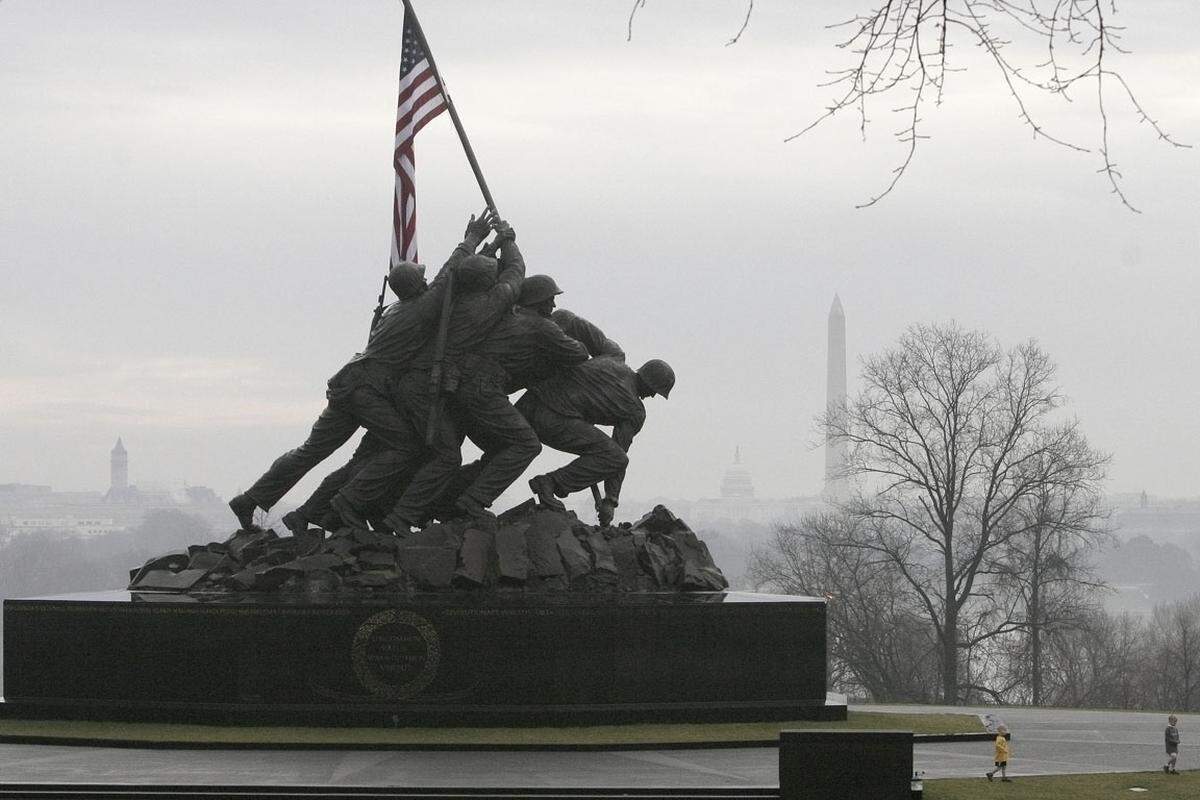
<point x="378" y="685"/>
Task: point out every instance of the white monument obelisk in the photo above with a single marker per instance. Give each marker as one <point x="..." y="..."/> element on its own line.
<point x="835" y="400"/>
<point x="118" y="468"/>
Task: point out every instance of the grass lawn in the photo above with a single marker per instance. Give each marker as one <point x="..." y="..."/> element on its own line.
<point x="1184" y="786"/>
<point x="749" y="732"/>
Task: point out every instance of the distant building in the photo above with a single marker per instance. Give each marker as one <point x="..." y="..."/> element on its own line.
<point x="738" y="505"/>
<point x="26" y="508"/>
<point x="82" y="525"/>
<point x="118" y="469"/>
<point x="119" y="490"/>
<point x="1164" y="519"/>
<point x="736" y="485"/>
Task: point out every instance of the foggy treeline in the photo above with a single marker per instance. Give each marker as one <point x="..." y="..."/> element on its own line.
<point x="1153" y="572"/>
<point x="883" y="649"/>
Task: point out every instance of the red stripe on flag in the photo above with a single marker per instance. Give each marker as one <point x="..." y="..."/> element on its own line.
<point x="419" y="99"/>
<point x="418" y="102"/>
<point x="418" y="81"/>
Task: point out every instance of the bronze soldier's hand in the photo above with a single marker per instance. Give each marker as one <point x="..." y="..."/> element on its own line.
<point x="478" y="228"/>
<point x="503" y="230"/>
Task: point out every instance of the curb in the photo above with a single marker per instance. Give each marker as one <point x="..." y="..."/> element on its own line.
<point x="168" y="744"/>
<point x="954" y="737"/>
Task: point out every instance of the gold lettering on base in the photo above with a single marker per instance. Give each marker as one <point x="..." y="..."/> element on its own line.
<point x="395" y="654"/>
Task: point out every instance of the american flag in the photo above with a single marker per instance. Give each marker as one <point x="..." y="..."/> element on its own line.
<point x="421" y="99"/>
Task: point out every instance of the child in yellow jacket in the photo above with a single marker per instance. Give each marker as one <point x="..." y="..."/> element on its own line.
<point x="1002" y="754"/>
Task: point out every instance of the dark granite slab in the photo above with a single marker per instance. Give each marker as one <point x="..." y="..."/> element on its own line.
<point x="845" y="765"/>
<point x="447" y="658"/>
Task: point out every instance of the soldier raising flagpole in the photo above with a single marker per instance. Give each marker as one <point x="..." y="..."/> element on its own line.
<point x="441" y="362"/>
<point x="422" y="97"/>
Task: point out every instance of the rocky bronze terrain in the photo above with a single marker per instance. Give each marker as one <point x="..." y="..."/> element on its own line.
<point x="532" y="549"/>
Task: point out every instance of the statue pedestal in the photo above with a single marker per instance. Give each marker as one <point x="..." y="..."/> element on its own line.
<point x="438" y="659"/>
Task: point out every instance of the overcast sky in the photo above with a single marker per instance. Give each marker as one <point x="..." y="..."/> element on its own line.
<point x="195" y="211"/>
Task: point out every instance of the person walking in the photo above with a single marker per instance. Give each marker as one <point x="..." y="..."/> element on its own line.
<point x="1172" y="740"/>
<point x="1002" y="755"/>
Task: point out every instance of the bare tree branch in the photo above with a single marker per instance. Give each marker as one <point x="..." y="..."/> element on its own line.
<point x="637" y="4"/>
<point x="745" y="24"/>
<point x="887" y="43"/>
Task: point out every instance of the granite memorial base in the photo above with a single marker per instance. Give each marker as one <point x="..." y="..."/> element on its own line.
<point x="845" y="765"/>
<point x="444" y="659"/>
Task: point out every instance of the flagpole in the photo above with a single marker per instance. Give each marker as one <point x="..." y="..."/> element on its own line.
<point x="458" y="126"/>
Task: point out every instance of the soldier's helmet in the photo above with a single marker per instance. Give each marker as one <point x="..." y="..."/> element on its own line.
<point x="658" y="375"/>
<point x="475" y="273"/>
<point x="536" y="289"/>
<point x="406" y="279"/>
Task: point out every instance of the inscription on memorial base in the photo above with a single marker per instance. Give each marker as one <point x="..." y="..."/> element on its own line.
<point x="395" y="654"/>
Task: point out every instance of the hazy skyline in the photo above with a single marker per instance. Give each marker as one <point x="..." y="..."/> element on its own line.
<point x="196" y="200"/>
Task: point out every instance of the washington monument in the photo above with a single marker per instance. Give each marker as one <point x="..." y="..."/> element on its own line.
<point x="835" y="399"/>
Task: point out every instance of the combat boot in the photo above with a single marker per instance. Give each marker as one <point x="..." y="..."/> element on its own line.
<point x="478" y="516"/>
<point x="401" y="527"/>
<point x="295" y="522"/>
<point x="543" y="487"/>
<point x="243" y="507"/>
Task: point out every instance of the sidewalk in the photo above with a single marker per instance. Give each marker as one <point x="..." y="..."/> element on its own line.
<point x="1056" y="741"/>
<point x="1045" y="741"/>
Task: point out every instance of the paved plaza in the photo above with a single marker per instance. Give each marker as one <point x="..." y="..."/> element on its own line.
<point x="1044" y="742"/>
<point x="1061" y="741"/>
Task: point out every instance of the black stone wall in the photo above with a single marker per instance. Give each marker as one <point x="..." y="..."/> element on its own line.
<point x="468" y="657"/>
<point x="845" y="765"/>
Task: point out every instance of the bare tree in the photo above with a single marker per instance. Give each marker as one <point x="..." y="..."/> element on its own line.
<point x="1102" y="663"/>
<point x="1176" y="682"/>
<point x="1051" y="47"/>
<point x="879" y="642"/>
<point x="1046" y="574"/>
<point x="949" y="437"/>
<point x="1103" y="660"/>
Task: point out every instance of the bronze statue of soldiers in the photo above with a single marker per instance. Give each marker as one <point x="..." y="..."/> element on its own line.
<point x="564" y="411"/>
<point x="485" y="293"/>
<point x="360" y="394"/>
<point x="318" y="508"/>
<point x="524" y="348"/>
<point x="538" y="294"/>
<point x="528" y="347"/>
<point x="598" y="345"/>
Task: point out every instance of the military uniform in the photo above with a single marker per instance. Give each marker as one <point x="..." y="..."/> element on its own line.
<point x="523" y="348"/>
<point x="317" y="507"/>
<point x="564" y="411"/>
<point x="528" y="348"/>
<point x="473" y="382"/>
<point x="360" y="395"/>
<point x="598" y="345"/>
